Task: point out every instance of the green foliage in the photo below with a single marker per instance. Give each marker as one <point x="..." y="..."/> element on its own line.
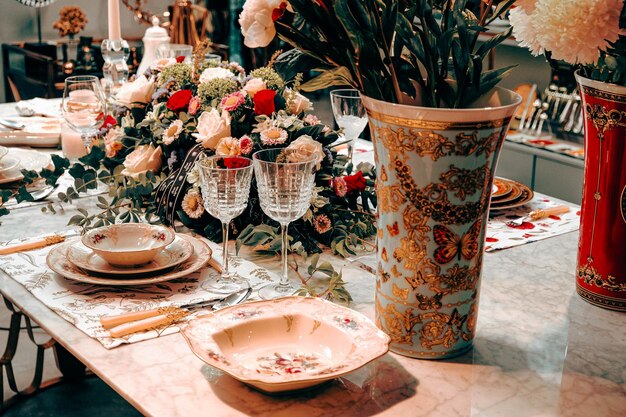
<point x="324" y="281"/>
<point x="175" y="77"/>
<point x="272" y="79"/>
<point x="415" y="52"/>
<point x="215" y="89"/>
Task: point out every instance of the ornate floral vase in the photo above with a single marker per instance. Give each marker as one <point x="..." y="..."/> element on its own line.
<point x="601" y="269"/>
<point x="435" y="170"/>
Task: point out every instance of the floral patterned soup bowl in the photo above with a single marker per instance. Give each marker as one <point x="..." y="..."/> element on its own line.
<point x="285" y="344"/>
<point x="128" y="244"/>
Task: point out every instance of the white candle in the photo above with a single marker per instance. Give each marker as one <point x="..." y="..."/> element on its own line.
<point x="114" y="20"/>
<point x="71" y="143"/>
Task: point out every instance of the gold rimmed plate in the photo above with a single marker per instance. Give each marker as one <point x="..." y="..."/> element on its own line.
<point x="175" y="253"/>
<point x="57" y="261"/>
<point x="501" y="188"/>
<point x="525" y="197"/>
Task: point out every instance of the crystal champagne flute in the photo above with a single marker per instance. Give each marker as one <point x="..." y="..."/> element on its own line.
<point x="285" y="182"/>
<point x="225" y="184"/>
<point x="84" y="106"/>
<point x="350" y="114"/>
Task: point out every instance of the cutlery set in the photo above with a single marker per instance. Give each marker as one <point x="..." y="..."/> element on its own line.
<point x="556" y="106"/>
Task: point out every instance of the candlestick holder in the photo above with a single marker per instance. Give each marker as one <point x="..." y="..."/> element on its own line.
<point x="115" y="52"/>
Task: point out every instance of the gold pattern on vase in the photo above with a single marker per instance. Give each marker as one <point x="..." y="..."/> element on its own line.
<point x="605" y="95"/>
<point x="590" y="276"/>
<point x="604" y="120"/>
<point x="433" y="198"/>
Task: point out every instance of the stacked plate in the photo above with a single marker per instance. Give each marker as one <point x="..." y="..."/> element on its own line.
<point x="77" y="259"/>
<point x="507" y="194"/>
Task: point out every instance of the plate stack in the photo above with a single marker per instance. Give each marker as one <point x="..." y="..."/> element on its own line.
<point x="129" y="254"/>
<point x="508" y="194"/>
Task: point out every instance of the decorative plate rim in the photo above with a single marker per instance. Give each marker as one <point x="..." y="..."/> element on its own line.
<point x="169" y="238"/>
<point x="198" y="263"/>
<point x="71" y="256"/>
<point x="239" y="372"/>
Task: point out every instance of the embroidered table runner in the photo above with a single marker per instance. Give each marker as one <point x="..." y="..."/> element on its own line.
<point x="83" y="304"/>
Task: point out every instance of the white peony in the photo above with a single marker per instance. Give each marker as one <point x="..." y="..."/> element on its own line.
<point x="524" y="30"/>
<point x="135" y="93"/>
<point x="576" y="30"/>
<point x="213" y="73"/>
<point x="257" y="23"/>
<point x="212" y="127"/>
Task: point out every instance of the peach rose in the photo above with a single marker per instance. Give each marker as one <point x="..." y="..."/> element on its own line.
<point x="212" y="127"/>
<point x="143" y="159"/>
<point x="253" y="86"/>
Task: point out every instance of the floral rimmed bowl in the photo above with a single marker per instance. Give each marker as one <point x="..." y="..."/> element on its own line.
<point x="128" y="244"/>
<point x="285" y="344"/>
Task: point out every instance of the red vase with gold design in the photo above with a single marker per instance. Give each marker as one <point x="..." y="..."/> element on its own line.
<point x="435" y="170"/>
<point x="601" y="269"/>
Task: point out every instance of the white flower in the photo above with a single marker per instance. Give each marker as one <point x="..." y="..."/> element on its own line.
<point x="212" y="127"/>
<point x="193" y="176"/>
<point x="254" y="85"/>
<point x="296" y="102"/>
<point x="304" y="148"/>
<point x="257" y="23"/>
<point x="576" y="30"/>
<point x="527" y="5"/>
<point x="273" y="136"/>
<point x="135" y="93"/>
<point x="192" y="204"/>
<point x="213" y="73"/>
<point x="525" y="31"/>
<point x="228" y="146"/>
<point x="172" y="132"/>
<point x="162" y="63"/>
<point x="144" y="158"/>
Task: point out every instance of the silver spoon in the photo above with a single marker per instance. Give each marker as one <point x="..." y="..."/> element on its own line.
<point x="12" y="124"/>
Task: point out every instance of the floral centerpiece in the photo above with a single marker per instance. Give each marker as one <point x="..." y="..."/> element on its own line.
<point x="178" y="110"/>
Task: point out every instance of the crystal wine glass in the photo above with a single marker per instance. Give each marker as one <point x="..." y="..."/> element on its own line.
<point x="225" y="185"/>
<point x="350" y="115"/>
<point x="84" y="106"/>
<point x="285" y="181"/>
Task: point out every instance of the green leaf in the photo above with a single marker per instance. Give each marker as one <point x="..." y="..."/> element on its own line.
<point x="328" y="78"/>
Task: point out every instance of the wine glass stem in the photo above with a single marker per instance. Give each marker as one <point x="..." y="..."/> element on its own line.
<point x="225" y="270"/>
<point x="284" y="278"/>
<point x="86" y="141"/>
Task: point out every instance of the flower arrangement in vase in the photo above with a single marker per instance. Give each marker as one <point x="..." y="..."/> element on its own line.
<point x="71" y="21"/>
<point x="437" y="121"/>
<point x="589" y="34"/>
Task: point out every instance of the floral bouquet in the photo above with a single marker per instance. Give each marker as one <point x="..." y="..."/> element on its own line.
<point x="586" y="33"/>
<point x="169" y="117"/>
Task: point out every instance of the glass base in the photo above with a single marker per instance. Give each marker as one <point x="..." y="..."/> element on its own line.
<point x="272" y="291"/>
<point x="227" y="285"/>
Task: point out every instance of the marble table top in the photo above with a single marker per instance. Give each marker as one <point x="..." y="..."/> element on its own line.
<point x="540" y="350"/>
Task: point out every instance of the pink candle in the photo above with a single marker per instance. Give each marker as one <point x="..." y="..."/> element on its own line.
<point x="71" y="143"/>
<point x="114" y="20"/>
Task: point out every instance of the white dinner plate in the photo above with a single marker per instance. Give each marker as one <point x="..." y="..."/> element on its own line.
<point x="38" y="132"/>
<point x="58" y="262"/>
<point x="175" y="253"/>
<point x="8" y="163"/>
<point x="28" y="159"/>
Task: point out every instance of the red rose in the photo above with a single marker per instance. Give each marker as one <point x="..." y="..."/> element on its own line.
<point x="179" y="101"/>
<point x="234" y="162"/>
<point x="278" y="12"/>
<point x="264" y="102"/>
<point x="355" y="182"/>
<point x="180" y="59"/>
<point x="109" y="121"/>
